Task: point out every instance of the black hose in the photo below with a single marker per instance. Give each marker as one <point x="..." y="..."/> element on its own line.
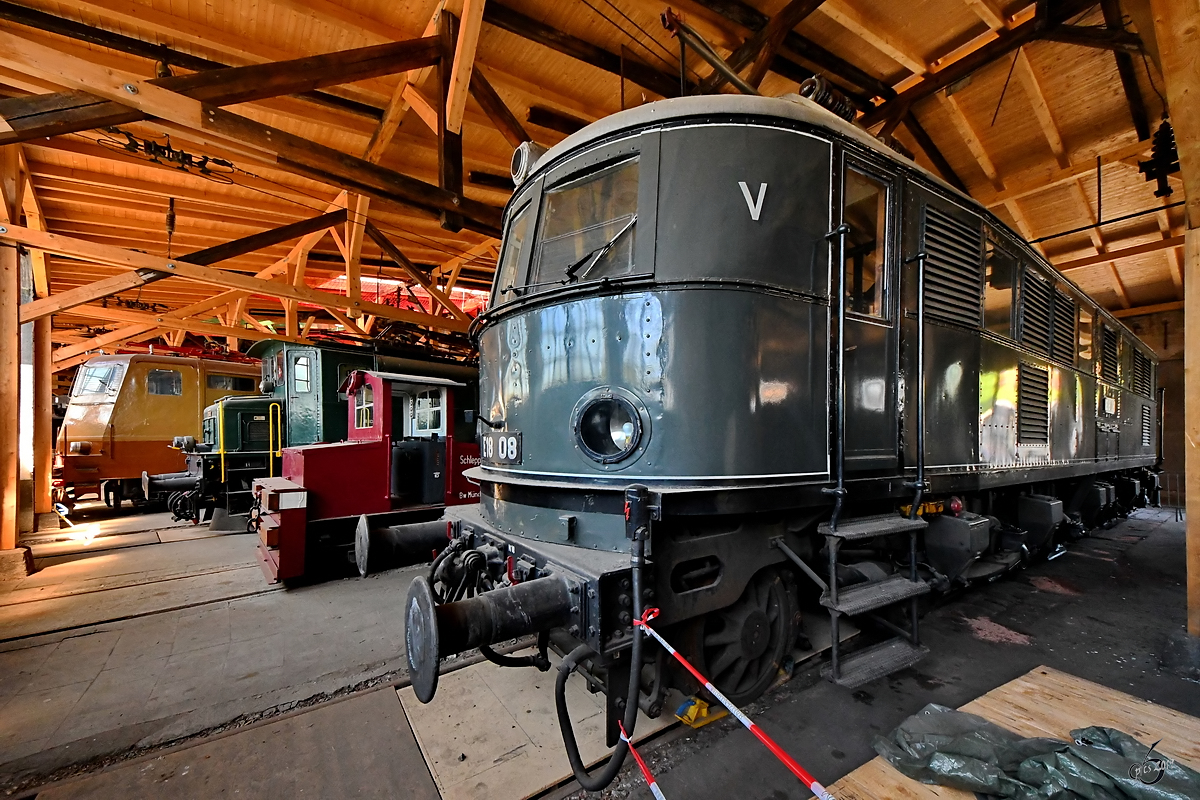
<point x="539" y="659"/>
<point x="594" y="783"/>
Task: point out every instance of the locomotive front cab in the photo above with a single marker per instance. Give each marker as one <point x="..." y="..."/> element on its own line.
<point x="659" y="321"/>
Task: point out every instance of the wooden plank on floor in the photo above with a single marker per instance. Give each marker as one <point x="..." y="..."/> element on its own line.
<point x="359" y="747"/>
<point x="493" y="732"/>
<point x="1042" y="702"/>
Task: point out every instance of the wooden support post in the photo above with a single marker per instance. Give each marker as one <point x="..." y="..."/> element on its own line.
<point x="356" y="221"/>
<point x="10" y="350"/>
<point x="43" y="413"/>
<point x="450" y="160"/>
<point x="1177" y="29"/>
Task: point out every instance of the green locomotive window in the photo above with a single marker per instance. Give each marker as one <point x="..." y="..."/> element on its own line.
<point x="100" y="379"/>
<point x="1001" y="273"/>
<point x="588" y="226"/>
<point x="232" y="383"/>
<point x="364" y="407"/>
<point x="428" y="412"/>
<point x="514" y="249"/>
<point x="865" y="213"/>
<point x="164" y="382"/>
<point x="302" y="374"/>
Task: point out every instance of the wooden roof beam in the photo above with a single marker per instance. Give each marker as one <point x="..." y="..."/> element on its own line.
<point x="1116" y="39"/>
<point x="401" y="100"/>
<point x="761" y="46"/>
<point x="500" y="16"/>
<point x="1174" y="257"/>
<point x="1126" y="69"/>
<point x="61" y="301"/>
<point x="128" y="259"/>
<point x="1156" y="308"/>
<point x="291" y="153"/>
<point x="1116" y="255"/>
<point x="65" y="112"/>
<point x="78" y="31"/>
<point x="852" y="20"/>
<point x="493" y="105"/>
<point x="386" y="245"/>
<point x="990" y="12"/>
<point x="1064" y="175"/>
<point x="1004" y="43"/>
<point x="800" y="48"/>
<point x="450" y="144"/>
<point x="1041" y="108"/>
<point x="464" y="63"/>
<point x="163" y="321"/>
<point x="926" y="143"/>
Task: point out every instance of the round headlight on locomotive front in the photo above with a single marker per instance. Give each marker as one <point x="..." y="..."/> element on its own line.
<point x="609" y="429"/>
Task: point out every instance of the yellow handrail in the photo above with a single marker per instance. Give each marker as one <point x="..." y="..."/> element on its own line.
<point x="221" y="435"/>
<point x="274" y="424"/>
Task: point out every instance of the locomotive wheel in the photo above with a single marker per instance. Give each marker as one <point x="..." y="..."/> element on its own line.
<point x="745" y="643"/>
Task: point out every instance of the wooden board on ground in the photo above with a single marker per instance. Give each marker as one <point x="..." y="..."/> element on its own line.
<point x="359" y="747"/>
<point x="492" y="732"/>
<point x="1042" y="702"/>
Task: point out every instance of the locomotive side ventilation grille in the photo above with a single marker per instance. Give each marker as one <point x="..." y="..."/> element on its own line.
<point x="1141" y="373"/>
<point x="1036" y="300"/>
<point x="1033" y="405"/>
<point x="1146" y="426"/>
<point x="953" y="252"/>
<point x="1062" y="346"/>
<point x="1108" y="355"/>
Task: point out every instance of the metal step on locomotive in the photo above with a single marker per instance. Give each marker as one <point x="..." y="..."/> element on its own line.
<point x="741" y="355"/>
<point x="299" y="403"/>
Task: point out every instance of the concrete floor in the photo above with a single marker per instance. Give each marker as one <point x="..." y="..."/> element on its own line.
<point x="140" y="646"/>
<point x="191" y="663"/>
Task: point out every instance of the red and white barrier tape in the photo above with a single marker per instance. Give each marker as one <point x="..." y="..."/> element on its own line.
<point x="653" y="784"/>
<point x="797" y="770"/>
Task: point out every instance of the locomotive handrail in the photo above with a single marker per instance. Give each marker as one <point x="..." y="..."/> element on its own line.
<point x="919" y="483"/>
<point x="274" y="427"/>
<point x="839" y="411"/>
<point x="221" y="437"/>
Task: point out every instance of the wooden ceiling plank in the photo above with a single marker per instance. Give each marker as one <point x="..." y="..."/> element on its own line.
<point x="1173" y="256"/>
<point x="128" y="259"/>
<point x="990" y="12"/>
<point x="852" y="20"/>
<point x="1064" y="175"/>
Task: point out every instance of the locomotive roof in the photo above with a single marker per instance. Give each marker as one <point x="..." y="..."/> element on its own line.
<point x="792" y="107"/>
<point x="397" y="377"/>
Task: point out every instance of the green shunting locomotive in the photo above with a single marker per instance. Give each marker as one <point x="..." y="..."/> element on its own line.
<point x="244" y="437"/>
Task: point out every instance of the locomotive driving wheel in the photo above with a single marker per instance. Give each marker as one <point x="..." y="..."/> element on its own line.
<point x="746" y="643"/>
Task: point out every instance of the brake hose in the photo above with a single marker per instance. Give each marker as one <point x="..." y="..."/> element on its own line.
<point x="594" y="783"/>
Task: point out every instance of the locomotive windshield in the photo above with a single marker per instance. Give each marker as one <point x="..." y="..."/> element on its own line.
<point x="99" y="379"/>
<point x="579" y="221"/>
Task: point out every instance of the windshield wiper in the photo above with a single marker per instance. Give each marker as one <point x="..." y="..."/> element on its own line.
<point x="599" y="253"/>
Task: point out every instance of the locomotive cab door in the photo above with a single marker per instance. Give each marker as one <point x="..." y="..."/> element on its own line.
<point x="866" y="207"/>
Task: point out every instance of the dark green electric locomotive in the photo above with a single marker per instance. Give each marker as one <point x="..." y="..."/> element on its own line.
<point x="244" y="437"/>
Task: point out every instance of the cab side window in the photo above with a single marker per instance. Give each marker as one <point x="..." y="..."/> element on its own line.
<point x="999" y="282"/>
<point x="302" y="374"/>
<point x="865" y="213"/>
<point x="164" y="382"/>
<point x="364" y="407"/>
